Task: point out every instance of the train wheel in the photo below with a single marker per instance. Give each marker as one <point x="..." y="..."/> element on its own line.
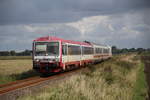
<point x="85" y="64"/>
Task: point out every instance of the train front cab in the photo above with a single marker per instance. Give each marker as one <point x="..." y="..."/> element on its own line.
<point x="46" y="56"/>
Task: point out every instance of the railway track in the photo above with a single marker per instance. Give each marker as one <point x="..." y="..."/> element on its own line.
<point x="14" y="89"/>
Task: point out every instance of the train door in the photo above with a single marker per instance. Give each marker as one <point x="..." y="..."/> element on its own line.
<point x="81" y="55"/>
<point x="64" y="54"/>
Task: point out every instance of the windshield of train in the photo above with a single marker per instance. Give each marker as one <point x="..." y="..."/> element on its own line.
<point x="46" y="48"/>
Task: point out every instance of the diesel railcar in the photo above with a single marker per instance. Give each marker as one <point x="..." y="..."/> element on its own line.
<point x="53" y="54"/>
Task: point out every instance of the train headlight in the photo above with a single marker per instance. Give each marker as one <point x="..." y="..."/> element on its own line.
<point x="37" y="60"/>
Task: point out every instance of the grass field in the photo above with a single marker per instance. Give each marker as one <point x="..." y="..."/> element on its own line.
<point x="120" y="78"/>
<point x="14" y="57"/>
<point x="12" y="70"/>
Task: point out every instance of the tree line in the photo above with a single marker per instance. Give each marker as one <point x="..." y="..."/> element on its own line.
<point x="14" y="53"/>
<point x="115" y="50"/>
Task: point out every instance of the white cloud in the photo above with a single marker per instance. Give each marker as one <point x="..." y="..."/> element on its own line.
<point x="38" y="28"/>
<point x="111" y="28"/>
<point x="123" y="30"/>
<point x="127" y="27"/>
<point x="88" y="24"/>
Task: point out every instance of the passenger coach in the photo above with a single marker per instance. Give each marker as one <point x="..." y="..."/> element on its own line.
<point x="52" y="54"/>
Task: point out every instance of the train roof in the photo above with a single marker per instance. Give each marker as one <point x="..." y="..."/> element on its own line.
<point x="101" y="45"/>
<point x="51" y="38"/>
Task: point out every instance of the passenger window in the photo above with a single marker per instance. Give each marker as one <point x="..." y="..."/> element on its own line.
<point x="74" y="50"/>
<point x="87" y="50"/>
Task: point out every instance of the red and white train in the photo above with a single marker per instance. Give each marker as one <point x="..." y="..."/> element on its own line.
<point x="52" y="54"/>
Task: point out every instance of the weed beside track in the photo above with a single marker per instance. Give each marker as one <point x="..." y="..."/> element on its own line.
<point x="115" y="79"/>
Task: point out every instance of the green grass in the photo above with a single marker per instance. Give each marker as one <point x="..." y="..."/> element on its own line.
<point x="114" y="79"/>
<point x="13" y="77"/>
<point x="12" y="70"/>
<point x="6" y="79"/>
<point x="15" y="57"/>
<point x="141" y="87"/>
<point x="145" y="53"/>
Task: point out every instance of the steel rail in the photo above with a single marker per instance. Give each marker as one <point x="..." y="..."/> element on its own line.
<point x="31" y="82"/>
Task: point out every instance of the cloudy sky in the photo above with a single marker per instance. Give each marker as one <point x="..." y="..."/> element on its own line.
<point x="124" y="23"/>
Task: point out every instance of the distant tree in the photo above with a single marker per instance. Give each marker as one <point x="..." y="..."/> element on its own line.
<point x="27" y="52"/>
<point x="4" y="53"/>
<point x="115" y="50"/>
<point x="140" y="50"/>
<point x="124" y="50"/>
<point x="24" y="53"/>
<point x="132" y="50"/>
<point x="12" y="53"/>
